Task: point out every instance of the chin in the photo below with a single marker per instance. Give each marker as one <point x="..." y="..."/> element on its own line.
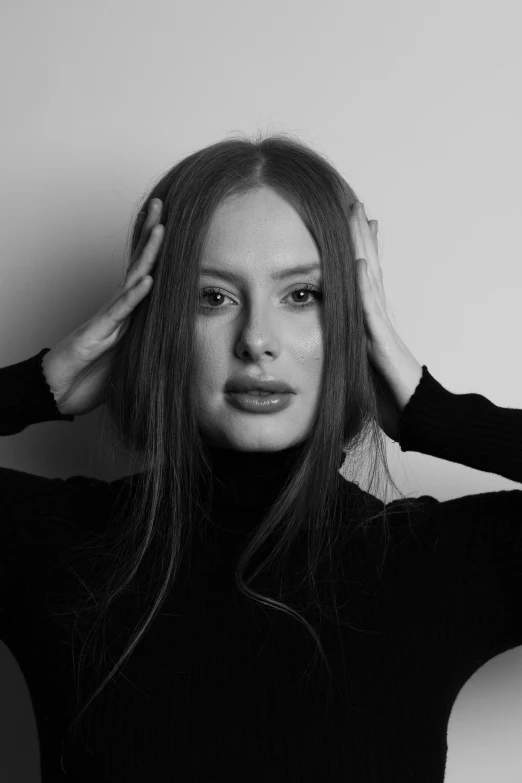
<point x="244" y="440"/>
<point x="230" y="429"/>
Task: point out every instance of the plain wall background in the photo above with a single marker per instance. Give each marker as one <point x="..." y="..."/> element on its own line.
<point x="418" y="106"/>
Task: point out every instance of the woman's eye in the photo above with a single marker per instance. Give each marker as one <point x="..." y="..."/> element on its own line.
<point x="306" y="290"/>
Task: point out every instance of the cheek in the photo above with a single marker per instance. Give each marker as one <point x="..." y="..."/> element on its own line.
<point x="308" y="352"/>
<point x="211" y="364"/>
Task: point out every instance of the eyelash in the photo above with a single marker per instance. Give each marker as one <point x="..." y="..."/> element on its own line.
<point x="310" y="288"/>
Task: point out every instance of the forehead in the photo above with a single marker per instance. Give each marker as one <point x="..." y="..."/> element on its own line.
<point x="258" y="227"/>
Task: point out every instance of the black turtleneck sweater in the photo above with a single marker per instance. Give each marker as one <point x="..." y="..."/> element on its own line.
<point x="222" y="689"/>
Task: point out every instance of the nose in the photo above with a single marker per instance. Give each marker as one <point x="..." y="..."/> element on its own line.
<point x="259" y="335"/>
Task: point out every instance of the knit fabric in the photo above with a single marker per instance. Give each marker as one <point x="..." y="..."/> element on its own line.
<point x="223" y="689"/>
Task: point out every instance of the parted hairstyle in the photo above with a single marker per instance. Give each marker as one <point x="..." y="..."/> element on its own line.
<point x="150" y="409"/>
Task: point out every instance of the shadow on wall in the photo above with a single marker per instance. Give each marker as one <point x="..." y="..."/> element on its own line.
<point x="485" y="724"/>
<point x="19" y="747"/>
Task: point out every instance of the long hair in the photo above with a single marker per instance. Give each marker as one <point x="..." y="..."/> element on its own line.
<point x="151" y="410"/>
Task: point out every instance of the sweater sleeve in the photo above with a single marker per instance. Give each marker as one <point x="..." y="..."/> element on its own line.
<point x="25" y="396"/>
<point x="475" y="541"/>
<point x="35" y="508"/>
<point x="46" y="529"/>
<point x="463" y="428"/>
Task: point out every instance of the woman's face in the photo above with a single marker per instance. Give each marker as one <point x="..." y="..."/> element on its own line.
<point x="257" y="325"/>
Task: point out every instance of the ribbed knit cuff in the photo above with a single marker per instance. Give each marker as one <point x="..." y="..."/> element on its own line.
<point x="463" y="428"/>
<point x="26" y="397"/>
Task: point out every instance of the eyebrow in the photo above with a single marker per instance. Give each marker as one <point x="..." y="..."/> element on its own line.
<point x="303" y="269"/>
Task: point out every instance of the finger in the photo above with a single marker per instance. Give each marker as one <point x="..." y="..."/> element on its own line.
<point x="362" y="249"/>
<point x="358" y="241"/>
<point x="370" y="245"/>
<point x="119" y="311"/>
<point x="363" y="238"/>
<point x="368" y="240"/>
<point x="374" y="228"/>
<point x="371" y="304"/>
<point x="148" y="219"/>
<point x="371" y="284"/>
<point x="145" y="263"/>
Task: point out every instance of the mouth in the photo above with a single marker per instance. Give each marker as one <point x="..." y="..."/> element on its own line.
<point x="258" y="386"/>
<point x="255" y="392"/>
<point x="257" y="401"/>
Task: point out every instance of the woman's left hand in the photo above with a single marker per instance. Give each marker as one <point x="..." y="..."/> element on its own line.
<point x="398" y="371"/>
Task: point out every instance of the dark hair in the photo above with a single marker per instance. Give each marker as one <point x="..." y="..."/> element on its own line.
<point x="151" y="410"/>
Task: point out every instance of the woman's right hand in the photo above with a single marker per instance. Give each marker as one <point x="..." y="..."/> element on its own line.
<point x="72" y="355"/>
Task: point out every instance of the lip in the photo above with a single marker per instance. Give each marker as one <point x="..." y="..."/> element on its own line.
<point x="252" y="403"/>
<point x="262" y="383"/>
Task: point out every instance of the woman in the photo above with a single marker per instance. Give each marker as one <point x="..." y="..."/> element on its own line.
<point x="145" y="577"/>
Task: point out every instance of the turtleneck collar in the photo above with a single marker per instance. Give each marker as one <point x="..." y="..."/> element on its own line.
<point x="252" y="479"/>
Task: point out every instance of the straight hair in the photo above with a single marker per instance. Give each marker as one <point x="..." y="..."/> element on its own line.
<point x="150" y="409"/>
